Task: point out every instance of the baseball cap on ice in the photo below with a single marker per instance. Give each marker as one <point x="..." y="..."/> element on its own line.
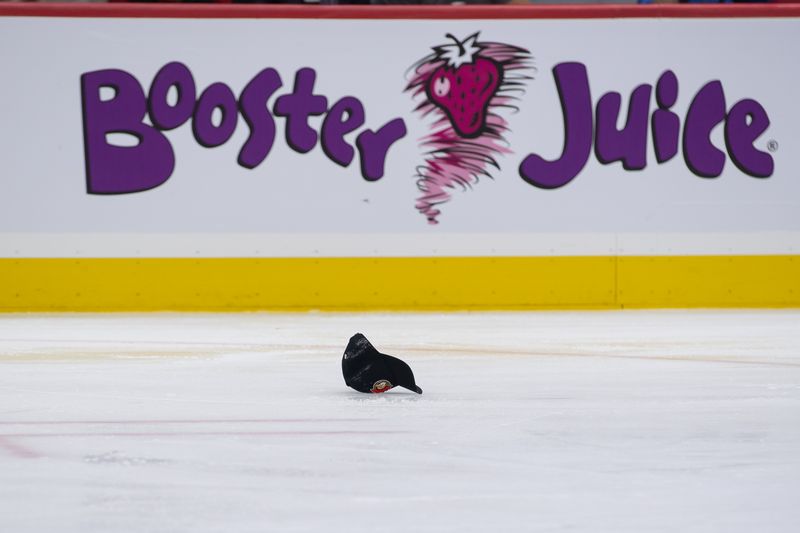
<point x="367" y="370"/>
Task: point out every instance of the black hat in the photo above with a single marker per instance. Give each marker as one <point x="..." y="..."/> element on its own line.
<point x="367" y="370"/>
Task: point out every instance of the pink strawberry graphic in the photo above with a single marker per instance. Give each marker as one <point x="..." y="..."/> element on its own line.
<point x="464" y="85"/>
<point x="465" y="89"/>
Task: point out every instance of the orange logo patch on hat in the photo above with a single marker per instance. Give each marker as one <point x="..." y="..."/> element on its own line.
<point x="382" y="385"/>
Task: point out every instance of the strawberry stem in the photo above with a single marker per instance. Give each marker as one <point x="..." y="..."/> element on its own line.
<point x="458" y="43"/>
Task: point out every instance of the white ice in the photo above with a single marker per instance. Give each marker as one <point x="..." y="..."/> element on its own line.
<point x="617" y="421"/>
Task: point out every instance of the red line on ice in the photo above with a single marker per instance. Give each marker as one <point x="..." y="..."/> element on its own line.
<point x="216" y="421"/>
<point x="17" y="450"/>
<point x="109" y="343"/>
<point x="198" y="434"/>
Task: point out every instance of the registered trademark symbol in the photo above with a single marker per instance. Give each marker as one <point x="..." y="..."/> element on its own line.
<point x="772" y="146"/>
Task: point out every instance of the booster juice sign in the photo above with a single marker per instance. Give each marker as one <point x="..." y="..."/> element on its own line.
<point x="467" y="84"/>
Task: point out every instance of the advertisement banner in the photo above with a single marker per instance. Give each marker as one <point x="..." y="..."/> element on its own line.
<point x="271" y="158"/>
<point x="399" y="137"/>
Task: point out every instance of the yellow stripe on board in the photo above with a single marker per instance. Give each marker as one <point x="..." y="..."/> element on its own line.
<point x="709" y="281"/>
<point x="418" y="283"/>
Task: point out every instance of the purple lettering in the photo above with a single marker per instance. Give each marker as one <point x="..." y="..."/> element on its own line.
<point x="705" y="112"/>
<point x="297" y="107"/>
<point x="163" y="115"/>
<point x="744" y="124"/>
<point x="216" y="96"/>
<point x="373" y="147"/>
<point x="121" y="169"/>
<point x="346" y="115"/>
<point x="253" y="104"/>
<point x="576" y="104"/>
<point x="629" y="144"/>
<point x="741" y="134"/>
<point x="150" y="161"/>
<point x="666" y="124"/>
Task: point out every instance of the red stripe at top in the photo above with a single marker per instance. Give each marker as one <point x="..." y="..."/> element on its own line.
<point x="228" y="11"/>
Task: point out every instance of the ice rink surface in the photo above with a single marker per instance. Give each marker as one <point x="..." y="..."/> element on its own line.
<point x="615" y="421"/>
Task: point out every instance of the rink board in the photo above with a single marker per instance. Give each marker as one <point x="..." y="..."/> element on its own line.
<point x="400" y="283"/>
<point x="692" y="200"/>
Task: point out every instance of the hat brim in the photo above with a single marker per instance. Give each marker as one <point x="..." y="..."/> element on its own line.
<point x="403" y="375"/>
